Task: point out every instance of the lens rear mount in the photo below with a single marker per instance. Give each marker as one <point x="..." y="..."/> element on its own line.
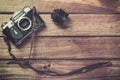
<point x="24" y="23"/>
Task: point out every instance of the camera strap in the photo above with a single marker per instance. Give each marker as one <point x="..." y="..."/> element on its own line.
<point x="33" y="33"/>
<point x="25" y="63"/>
<point x="9" y="48"/>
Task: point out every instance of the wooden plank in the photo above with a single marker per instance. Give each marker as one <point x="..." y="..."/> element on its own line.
<point x="80" y="25"/>
<point x="82" y="43"/>
<point x="72" y="6"/>
<point x="67" y="48"/>
<point x="105" y="73"/>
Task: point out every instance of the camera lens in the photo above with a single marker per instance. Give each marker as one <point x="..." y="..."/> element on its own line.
<point x="24" y="23"/>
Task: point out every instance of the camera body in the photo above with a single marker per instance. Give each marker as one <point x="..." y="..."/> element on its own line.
<point x="20" y="25"/>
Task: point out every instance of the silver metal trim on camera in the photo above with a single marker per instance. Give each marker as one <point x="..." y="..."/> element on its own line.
<point x="20" y="25"/>
<point x="27" y="9"/>
<point x="24" y="29"/>
<point x="11" y="23"/>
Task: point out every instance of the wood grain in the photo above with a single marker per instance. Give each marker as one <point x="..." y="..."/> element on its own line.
<point x="105" y="73"/>
<point x="92" y="35"/>
<point x="68" y="47"/>
<point x="80" y="6"/>
<point x="79" y="25"/>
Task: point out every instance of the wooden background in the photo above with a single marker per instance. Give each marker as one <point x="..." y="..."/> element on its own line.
<point x="92" y="36"/>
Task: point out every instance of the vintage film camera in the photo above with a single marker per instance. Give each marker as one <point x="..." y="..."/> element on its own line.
<point x="20" y="25"/>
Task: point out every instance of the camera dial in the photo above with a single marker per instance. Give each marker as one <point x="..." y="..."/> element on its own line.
<point x="24" y="23"/>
